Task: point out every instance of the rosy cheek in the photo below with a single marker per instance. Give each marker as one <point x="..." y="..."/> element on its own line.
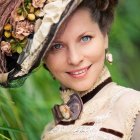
<point x="94" y="54"/>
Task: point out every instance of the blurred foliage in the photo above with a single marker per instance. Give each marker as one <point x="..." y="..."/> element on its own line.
<point x="125" y="44"/>
<point x="25" y="111"/>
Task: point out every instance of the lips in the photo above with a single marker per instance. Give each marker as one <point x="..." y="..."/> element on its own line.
<point x="79" y="73"/>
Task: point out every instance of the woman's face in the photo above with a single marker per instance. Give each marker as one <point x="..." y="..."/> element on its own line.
<point x="77" y="54"/>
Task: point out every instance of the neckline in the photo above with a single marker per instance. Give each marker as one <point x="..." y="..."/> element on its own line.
<point x="92" y="93"/>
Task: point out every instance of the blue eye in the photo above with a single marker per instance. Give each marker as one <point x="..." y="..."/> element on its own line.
<point x="86" y="38"/>
<point x="57" y="46"/>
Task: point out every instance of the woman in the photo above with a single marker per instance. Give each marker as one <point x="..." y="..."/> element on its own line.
<point x="72" y="38"/>
<point x="93" y="106"/>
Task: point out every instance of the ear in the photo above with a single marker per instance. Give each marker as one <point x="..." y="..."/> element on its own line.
<point x="106" y="41"/>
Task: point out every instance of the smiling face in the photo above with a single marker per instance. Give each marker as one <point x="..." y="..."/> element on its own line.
<point x="77" y="54"/>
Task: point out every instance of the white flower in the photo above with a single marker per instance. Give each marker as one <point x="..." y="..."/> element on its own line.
<point x="38" y="3"/>
<point x="6" y="48"/>
<point x="23" y="29"/>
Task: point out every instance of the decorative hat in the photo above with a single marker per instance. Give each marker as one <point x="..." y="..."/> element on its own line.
<point x="27" y="28"/>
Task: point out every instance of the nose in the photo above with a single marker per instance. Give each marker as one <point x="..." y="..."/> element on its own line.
<point x="75" y="56"/>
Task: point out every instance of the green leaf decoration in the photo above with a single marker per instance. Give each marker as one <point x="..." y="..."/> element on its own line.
<point x="19" y="50"/>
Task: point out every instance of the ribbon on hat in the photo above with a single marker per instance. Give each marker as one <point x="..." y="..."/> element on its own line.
<point x="69" y="112"/>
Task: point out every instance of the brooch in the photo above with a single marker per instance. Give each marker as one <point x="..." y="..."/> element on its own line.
<point x="69" y="112"/>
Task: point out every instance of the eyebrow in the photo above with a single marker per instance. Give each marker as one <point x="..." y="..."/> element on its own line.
<point x="85" y="33"/>
<point x="57" y="42"/>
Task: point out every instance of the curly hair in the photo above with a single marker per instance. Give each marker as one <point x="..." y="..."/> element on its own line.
<point x="102" y="12"/>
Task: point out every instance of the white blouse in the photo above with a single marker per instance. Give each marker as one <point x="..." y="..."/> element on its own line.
<point x="109" y="115"/>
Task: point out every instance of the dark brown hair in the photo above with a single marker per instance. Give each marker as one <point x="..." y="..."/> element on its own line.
<point x="102" y="12"/>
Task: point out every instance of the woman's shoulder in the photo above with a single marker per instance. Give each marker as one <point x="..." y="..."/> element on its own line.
<point x="125" y="92"/>
<point x="128" y="109"/>
<point x="128" y="93"/>
<point x="129" y="98"/>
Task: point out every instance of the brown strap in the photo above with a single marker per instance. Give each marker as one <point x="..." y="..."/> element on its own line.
<point x="113" y="132"/>
<point x="89" y="123"/>
<point x="107" y="130"/>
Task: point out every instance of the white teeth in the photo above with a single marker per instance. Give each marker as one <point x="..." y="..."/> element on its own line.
<point x="79" y="72"/>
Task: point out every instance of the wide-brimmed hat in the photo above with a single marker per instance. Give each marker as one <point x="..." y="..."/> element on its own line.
<point x="27" y="28"/>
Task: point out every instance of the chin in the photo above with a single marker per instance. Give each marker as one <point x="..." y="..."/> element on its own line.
<point x="82" y="87"/>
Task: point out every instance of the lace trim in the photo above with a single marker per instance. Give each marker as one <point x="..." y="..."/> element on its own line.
<point x="131" y="117"/>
